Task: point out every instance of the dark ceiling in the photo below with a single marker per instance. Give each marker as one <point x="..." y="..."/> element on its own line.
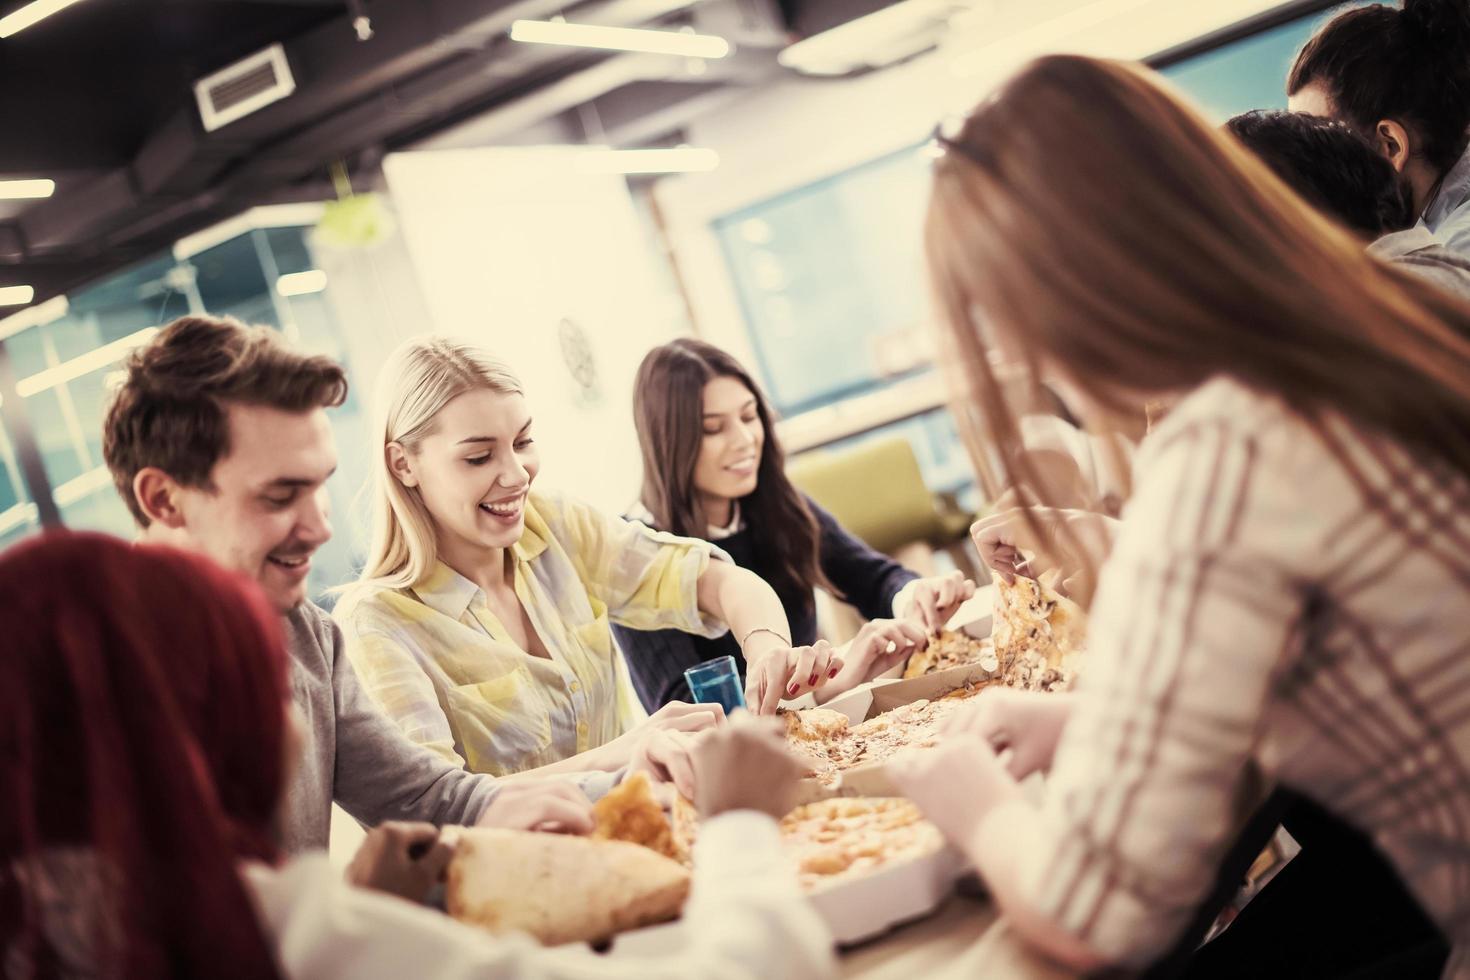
<point x="99" y="97"/>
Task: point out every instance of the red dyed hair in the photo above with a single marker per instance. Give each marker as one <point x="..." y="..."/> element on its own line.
<point x="142" y="712"/>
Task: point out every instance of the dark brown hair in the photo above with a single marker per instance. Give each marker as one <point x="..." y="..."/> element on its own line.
<point x="668" y="408"/>
<point x="169" y="411"/>
<point x="1332" y="167"/>
<point x="1411" y="65"/>
<point x="1093" y="217"/>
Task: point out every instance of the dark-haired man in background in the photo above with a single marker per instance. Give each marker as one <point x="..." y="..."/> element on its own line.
<point x="1343" y="176"/>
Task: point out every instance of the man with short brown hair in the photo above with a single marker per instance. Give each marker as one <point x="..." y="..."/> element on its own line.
<point x="219" y="442"/>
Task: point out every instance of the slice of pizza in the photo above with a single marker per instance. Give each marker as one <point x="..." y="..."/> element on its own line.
<point x="947" y="648"/>
<point x="559" y="888"/>
<point x="814" y="725"/>
<point x="1038" y="634"/>
<point x="629" y="812"/>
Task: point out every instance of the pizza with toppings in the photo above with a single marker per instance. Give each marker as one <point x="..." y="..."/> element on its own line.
<point x="949" y="648"/>
<point x="833" y="744"/>
<point x="1038" y="635"/>
<point x="837" y="839"/>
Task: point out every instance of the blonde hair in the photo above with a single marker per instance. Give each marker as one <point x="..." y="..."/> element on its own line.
<point x="420" y="377"/>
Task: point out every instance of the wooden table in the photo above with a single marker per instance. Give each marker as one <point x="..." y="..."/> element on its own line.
<point x="965" y="938"/>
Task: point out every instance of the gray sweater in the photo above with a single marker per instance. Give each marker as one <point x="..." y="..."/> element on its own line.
<point x="353" y="754"/>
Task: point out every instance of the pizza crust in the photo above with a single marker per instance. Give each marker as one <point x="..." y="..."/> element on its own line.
<point x="559" y="888"/>
<point x="629" y="812"/>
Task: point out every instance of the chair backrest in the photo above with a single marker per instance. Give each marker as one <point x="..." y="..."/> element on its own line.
<point x="874" y="489"/>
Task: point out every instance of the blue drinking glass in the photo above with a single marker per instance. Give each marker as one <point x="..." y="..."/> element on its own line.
<point x="716" y="681"/>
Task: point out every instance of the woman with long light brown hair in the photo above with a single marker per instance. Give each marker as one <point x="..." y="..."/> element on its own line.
<point x="1288" y="599"/>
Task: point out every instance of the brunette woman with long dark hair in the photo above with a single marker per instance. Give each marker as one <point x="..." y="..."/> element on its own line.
<point x="1400" y="76"/>
<point x="145" y="750"/>
<point x="713" y="468"/>
<point x="1287" y="602"/>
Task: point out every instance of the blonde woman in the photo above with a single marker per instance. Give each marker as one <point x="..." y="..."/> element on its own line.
<point x="481" y="620"/>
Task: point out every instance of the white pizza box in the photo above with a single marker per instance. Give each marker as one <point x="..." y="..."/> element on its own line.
<point x="855" y="909"/>
<point x="869" y="701"/>
<point x="865" y="906"/>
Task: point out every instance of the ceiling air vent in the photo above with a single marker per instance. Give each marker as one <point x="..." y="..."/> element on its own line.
<point x="244" y="87"/>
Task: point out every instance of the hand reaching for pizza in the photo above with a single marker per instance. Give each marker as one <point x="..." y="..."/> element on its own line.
<point x="932" y="601"/>
<point x="879" y="645"/>
<point x="956" y="784"/>
<point x="787" y="672"/>
<point x="666" y="756"/>
<point x="403" y="859"/>
<point x="1074" y="542"/>
<point x="553" y="804"/>
<point x="1027" y="723"/>
<point x="745" y="765"/>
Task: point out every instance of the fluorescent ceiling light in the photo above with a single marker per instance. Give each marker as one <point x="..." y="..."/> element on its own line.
<point x="673" y="160"/>
<point x="84" y="365"/>
<point x="301" y="283"/>
<point x="873" y="40"/>
<point x="30" y="14"/>
<point x="619" y="39"/>
<point x="17" y="190"/>
<point x="16" y="295"/>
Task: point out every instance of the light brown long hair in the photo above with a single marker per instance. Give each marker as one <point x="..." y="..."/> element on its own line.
<point x="668" y="409"/>
<point x="1099" y="223"/>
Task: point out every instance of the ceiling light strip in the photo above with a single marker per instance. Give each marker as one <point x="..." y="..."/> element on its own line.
<point x="31" y="14"/>
<point x="677" y="43"/>
<point x="26" y="190"/>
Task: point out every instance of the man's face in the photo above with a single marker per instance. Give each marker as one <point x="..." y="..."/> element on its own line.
<point x="267" y="510"/>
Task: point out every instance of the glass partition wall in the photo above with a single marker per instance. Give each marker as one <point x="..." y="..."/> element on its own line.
<point x="255" y="270"/>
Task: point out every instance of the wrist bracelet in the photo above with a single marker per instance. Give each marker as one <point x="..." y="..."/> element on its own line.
<point x="761" y="629"/>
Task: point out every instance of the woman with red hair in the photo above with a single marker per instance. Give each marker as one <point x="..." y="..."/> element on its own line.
<point x="143" y="753"/>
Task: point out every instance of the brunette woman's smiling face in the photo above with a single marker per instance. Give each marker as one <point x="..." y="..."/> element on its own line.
<point x="728" y="464"/>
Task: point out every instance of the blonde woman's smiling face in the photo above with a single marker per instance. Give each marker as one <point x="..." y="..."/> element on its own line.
<point x="474" y="469"/>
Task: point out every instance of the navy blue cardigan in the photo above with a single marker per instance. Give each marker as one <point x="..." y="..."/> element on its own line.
<point x="868" y="581"/>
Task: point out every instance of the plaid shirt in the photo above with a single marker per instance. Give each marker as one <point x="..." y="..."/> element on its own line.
<point x="445" y="669"/>
<point x="1272" y="611"/>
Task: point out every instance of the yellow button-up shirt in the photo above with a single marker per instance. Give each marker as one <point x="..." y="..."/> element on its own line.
<point x="443" y="667"/>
